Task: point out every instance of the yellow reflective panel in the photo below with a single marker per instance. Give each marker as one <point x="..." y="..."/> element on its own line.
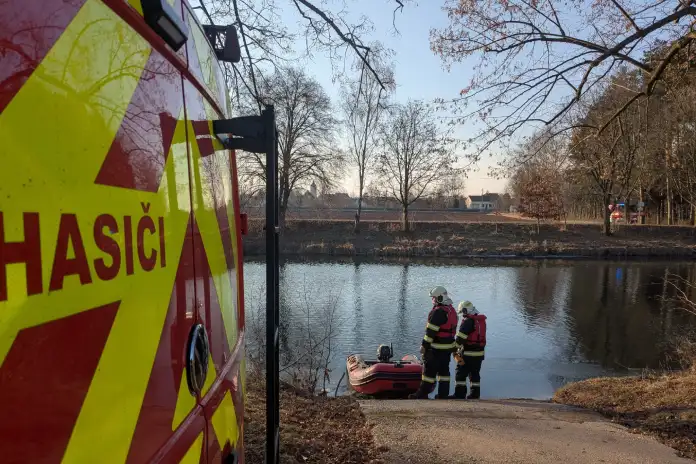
<point x="225" y="422"/>
<point x="185" y="402"/>
<point x="193" y="455"/>
<point x="212" y="187"/>
<point x="63" y="122"/>
<point x="119" y="385"/>
<point x="210" y="378"/>
<point x="137" y="5"/>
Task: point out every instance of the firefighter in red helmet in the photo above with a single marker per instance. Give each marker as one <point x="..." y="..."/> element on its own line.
<point x="437" y="345"/>
<point x="471" y="343"/>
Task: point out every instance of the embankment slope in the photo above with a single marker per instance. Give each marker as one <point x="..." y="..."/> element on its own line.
<point x="465" y="240"/>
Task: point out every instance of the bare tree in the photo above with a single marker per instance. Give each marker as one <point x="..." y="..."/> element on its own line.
<point x="267" y="43"/>
<point x="306" y="136"/>
<point x="609" y="158"/>
<point x="309" y="338"/>
<point x="538" y="59"/>
<point x="674" y="128"/>
<point x="450" y="189"/>
<point x="268" y="47"/>
<point x="363" y="102"/>
<point x="416" y="155"/>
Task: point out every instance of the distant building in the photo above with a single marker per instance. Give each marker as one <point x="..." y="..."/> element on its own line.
<point x="487" y="202"/>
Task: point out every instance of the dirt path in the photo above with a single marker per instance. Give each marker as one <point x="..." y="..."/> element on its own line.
<point x="504" y="431"/>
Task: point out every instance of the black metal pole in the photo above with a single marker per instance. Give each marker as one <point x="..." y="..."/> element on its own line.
<point x="276" y="308"/>
<point x="272" y="291"/>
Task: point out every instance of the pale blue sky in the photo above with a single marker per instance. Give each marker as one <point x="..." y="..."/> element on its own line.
<point x="419" y="73"/>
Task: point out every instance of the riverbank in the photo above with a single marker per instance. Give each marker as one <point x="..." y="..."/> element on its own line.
<point x="314" y="430"/>
<point x="474" y="240"/>
<point x="662" y="406"/>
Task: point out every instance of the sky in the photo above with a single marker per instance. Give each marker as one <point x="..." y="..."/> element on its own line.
<point x="419" y="73"/>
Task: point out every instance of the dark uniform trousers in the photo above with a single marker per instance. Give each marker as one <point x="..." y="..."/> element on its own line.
<point x="472" y="369"/>
<point x="436" y="369"/>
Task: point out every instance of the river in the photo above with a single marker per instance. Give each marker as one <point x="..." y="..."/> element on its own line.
<point x="549" y="322"/>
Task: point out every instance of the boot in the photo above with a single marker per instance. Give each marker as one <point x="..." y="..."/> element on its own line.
<point x="460" y="392"/>
<point x="443" y="389"/>
<point x="422" y="393"/>
<point x="475" y="393"/>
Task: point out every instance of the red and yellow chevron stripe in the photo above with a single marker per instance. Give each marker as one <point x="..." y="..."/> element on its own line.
<point x="119" y="221"/>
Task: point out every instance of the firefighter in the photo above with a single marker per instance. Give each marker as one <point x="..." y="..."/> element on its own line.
<point x="437" y="345"/>
<point x="471" y="342"/>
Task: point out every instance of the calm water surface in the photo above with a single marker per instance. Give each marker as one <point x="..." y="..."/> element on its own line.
<point x="549" y="323"/>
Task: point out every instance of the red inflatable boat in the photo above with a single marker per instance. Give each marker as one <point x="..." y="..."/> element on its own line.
<point x="383" y="376"/>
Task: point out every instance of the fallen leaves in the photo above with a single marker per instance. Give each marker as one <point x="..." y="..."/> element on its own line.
<point x="317" y="430"/>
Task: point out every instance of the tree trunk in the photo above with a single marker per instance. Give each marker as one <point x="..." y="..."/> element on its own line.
<point x="680" y="215"/>
<point x="405" y="226"/>
<point x="641" y="212"/>
<point x="668" y="206"/>
<point x="659" y="213"/>
<point x="283" y="208"/>
<point x="357" y="214"/>
<point x="607" y="215"/>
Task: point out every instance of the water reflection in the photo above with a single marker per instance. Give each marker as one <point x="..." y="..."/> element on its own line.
<point x="549" y="322"/>
<point x="358" y="327"/>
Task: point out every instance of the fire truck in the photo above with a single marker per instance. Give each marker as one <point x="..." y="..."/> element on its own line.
<point x="121" y="285"/>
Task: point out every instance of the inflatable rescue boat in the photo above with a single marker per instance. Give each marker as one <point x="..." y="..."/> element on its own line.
<point x="383" y="377"/>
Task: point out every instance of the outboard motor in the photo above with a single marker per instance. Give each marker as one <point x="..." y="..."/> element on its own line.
<point x="384" y="353"/>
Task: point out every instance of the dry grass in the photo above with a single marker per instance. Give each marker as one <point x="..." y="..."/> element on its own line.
<point x="663" y="406"/>
<point x="313" y="429"/>
<point x="459" y="239"/>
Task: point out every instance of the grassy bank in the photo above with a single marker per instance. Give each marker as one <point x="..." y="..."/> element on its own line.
<point x="464" y="240"/>
<point x="313" y="429"/>
<point x="663" y="406"/>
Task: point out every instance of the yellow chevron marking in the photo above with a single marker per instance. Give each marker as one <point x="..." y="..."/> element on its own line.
<point x="122" y="377"/>
<point x="193" y="455"/>
<point x="89" y="80"/>
<point x="212" y="186"/>
<point x="185" y="402"/>
<point x="210" y="378"/>
<point x="137" y="5"/>
<point x="225" y="422"/>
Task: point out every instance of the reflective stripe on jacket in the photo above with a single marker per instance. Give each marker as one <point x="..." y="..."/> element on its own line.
<point x="471" y="337"/>
<point x="441" y="327"/>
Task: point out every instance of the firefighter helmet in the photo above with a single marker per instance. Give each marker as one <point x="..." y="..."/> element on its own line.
<point x="439" y="295"/>
<point x="466" y="307"/>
